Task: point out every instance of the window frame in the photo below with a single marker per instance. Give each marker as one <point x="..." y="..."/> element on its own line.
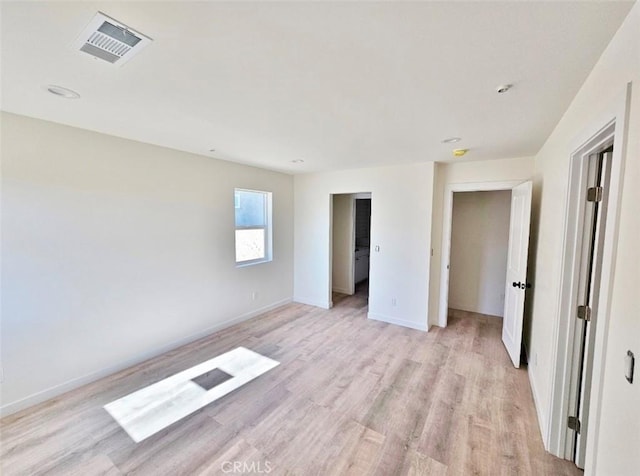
<point x="268" y="228"/>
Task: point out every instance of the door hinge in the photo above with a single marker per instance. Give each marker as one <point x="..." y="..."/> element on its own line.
<point x="574" y="424"/>
<point x="594" y="194"/>
<point x="584" y="313"/>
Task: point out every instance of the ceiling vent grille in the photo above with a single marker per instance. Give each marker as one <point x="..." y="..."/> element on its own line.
<point x="110" y="40"/>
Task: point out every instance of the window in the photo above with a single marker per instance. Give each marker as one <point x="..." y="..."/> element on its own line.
<point x="253" y="226"/>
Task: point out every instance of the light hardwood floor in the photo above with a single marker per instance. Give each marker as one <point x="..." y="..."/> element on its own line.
<point x="351" y="396"/>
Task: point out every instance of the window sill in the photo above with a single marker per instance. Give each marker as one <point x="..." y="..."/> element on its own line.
<point x="245" y="264"/>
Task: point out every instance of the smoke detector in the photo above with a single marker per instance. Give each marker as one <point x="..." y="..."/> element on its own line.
<point x="110" y="40"/>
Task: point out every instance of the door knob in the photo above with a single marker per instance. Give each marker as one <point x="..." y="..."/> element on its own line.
<point x="519" y="285"/>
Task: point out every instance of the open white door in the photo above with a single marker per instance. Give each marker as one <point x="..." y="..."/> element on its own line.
<point x="516" y="270"/>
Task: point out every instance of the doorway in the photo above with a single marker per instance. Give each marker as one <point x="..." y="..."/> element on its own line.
<point x="362" y="244"/>
<point x="351" y="238"/>
<point x="593" y="190"/>
<point x="479" y="241"/>
<point x="450" y="190"/>
<point x="597" y="168"/>
<point x="608" y="135"/>
<point x="517" y="257"/>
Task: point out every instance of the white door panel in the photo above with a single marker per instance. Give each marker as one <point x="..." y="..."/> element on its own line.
<point x="516" y="270"/>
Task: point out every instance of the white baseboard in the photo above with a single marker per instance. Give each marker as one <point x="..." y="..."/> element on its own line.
<point x="312" y="302"/>
<point x="398" y="322"/>
<point x="72" y="384"/>
<point x="476" y="309"/>
<point x="340" y="290"/>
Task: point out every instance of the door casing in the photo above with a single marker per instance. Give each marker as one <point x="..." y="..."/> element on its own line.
<point x="447" y="221"/>
<point x="610" y="127"/>
<point x="589" y="257"/>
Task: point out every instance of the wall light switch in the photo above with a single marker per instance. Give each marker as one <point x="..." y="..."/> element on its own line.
<point x="377" y="248"/>
<point x="630" y="362"/>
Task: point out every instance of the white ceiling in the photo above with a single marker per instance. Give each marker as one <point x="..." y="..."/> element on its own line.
<point x="340" y="85"/>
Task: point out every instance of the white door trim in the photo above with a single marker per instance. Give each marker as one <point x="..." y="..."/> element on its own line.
<point x="447" y="218"/>
<point x="613" y="124"/>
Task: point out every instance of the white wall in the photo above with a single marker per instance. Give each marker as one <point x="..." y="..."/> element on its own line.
<point x="114" y="250"/>
<point x="619" y="430"/>
<point x="343" y="243"/>
<point x="520" y="169"/>
<point x="479" y="242"/>
<point x="400" y="224"/>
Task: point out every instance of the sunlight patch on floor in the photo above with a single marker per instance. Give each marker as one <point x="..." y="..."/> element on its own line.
<point x="153" y="408"/>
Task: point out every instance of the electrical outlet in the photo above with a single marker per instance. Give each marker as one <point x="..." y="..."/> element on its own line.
<point x="254" y="295"/>
<point x="393" y="301"/>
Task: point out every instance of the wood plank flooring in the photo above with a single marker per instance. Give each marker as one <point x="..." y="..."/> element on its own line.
<point x="351" y="397"/>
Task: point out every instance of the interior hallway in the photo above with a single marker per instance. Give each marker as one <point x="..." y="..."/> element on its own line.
<point x="351" y="396"/>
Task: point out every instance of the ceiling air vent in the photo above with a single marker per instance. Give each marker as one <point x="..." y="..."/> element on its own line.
<point x="110" y="40"/>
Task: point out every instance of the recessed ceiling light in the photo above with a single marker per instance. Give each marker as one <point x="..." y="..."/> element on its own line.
<point x="504" y="88"/>
<point x="62" y="92"/>
<point x="451" y="140"/>
<point x="297" y="161"/>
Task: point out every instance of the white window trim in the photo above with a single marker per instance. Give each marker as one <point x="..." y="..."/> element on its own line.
<point x="268" y="228"/>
